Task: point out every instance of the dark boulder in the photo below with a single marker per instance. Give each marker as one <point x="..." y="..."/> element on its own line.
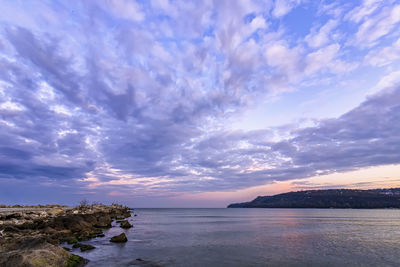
<point x="125" y="224"/>
<point x="103" y="221"/>
<point x="76" y="223"/>
<point x="119" y="238"/>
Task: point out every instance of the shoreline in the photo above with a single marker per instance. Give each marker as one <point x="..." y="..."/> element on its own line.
<point x="32" y="235"/>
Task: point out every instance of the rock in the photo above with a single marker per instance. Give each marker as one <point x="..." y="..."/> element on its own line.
<point x="87" y="247"/>
<point x="10" y="229"/>
<point x="76" y="223"/>
<point x="103" y="221"/>
<point x="83" y="247"/>
<point x="49" y="230"/>
<point x="119" y="238"/>
<point x="56" y="212"/>
<point x="35" y="252"/>
<point x="76" y="261"/>
<point x="125" y="224"/>
<point x="142" y="262"/>
<point x="55" y="225"/>
<point x="72" y="240"/>
<point x="67" y="249"/>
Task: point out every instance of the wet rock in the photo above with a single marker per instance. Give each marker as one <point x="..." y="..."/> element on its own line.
<point x="83" y="247"/>
<point x="72" y="240"/>
<point x="142" y="262"/>
<point x="125" y="224"/>
<point x="76" y="261"/>
<point x="119" y="238"/>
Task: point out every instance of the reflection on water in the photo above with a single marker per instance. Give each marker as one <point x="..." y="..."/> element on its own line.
<point x="255" y="237"/>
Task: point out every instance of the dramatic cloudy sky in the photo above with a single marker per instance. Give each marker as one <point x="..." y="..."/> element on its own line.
<point x="196" y="103"/>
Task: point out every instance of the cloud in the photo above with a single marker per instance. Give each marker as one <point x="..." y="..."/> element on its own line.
<point x="123" y="9"/>
<point x="318" y="38"/>
<point x="136" y="96"/>
<point x="376" y="26"/>
<point x="388" y="81"/>
<point x="283" y="7"/>
<point x="365" y="136"/>
<point x="384" y="56"/>
<point x="364" y="10"/>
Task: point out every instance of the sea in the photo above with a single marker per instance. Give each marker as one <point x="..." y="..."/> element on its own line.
<point x="252" y="237"/>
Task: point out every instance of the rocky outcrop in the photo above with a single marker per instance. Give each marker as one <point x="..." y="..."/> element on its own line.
<point x="38" y="252"/>
<point x="119" y="238"/>
<point x="26" y="233"/>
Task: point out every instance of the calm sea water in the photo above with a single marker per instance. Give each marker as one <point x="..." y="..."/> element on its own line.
<point x="254" y="237"/>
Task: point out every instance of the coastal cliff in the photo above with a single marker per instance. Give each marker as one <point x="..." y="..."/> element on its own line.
<point x="332" y="198"/>
<point x="31" y="235"/>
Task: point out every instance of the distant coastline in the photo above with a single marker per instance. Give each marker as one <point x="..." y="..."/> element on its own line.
<point x="331" y="198"/>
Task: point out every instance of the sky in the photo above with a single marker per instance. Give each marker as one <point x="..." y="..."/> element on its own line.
<point x="168" y="103"/>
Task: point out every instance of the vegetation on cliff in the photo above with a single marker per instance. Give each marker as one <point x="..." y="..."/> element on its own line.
<point x="332" y="198"/>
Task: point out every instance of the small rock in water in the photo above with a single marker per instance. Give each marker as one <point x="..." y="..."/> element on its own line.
<point x="142" y="262"/>
<point x="125" y="224"/>
<point x="76" y="260"/>
<point x="72" y="240"/>
<point x="83" y="247"/>
<point x="119" y="238"/>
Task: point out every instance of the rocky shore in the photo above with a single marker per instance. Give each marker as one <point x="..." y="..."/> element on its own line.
<point x="31" y="235"/>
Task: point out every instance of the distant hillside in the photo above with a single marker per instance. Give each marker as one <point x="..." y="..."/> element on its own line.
<point x="332" y="198"/>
